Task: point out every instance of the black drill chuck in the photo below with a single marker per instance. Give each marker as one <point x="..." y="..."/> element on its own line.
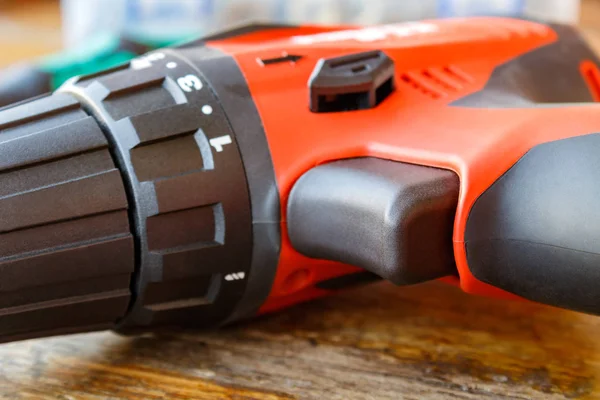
<point x="124" y="204"/>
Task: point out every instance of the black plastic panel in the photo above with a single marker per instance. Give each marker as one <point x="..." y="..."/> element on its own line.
<point x="550" y="74"/>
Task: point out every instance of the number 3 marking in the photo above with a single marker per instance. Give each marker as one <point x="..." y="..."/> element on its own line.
<point x="189" y="82"/>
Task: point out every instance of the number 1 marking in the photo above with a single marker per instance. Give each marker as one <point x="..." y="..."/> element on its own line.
<point x="219" y="142"/>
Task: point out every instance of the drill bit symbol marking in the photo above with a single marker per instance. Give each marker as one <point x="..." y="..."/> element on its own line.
<point x="144" y="62"/>
<point x="238" y="276"/>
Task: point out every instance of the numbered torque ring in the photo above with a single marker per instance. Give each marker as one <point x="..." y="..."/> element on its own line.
<point x="187" y="189"/>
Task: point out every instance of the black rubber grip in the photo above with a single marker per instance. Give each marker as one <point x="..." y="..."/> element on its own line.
<point x="536" y="231"/>
<point x="66" y="251"/>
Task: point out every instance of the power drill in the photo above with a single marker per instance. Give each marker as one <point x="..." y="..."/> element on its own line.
<point x="268" y="165"/>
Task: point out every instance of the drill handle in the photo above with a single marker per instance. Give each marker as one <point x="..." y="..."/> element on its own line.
<point x="535" y="232"/>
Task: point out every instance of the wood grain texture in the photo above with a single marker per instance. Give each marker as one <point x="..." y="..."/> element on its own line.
<point x="377" y="342"/>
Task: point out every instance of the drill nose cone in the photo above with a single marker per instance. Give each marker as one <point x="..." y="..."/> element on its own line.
<point x="66" y="251"/>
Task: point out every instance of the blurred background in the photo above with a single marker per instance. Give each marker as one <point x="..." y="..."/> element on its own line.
<point x="171" y="18"/>
<point x="62" y="38"/>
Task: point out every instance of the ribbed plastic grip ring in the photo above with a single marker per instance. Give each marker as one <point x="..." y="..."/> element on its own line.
<point x="66" y="251"/>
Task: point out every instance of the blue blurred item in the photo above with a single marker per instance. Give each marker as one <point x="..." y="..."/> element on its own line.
<point x="160" y="20"/>
<point x="467" y="8"/>
<point x="164" y="20"/>
<point x="140" y="20"/>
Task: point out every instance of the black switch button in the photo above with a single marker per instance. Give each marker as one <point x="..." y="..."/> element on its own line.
<point x="351" y="82"/>
<point x="393" y="219"/>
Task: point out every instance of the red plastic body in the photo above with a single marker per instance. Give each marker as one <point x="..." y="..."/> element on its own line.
<point x="436" y="63"/>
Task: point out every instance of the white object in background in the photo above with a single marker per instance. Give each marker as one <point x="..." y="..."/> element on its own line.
<point x="564" y="11"/>
<point x="313" y="11"/>
<point x="466" y="8"/>
<point x="228" y="13"/>
<point x="152" y="20"/>
<point x="359" y="12"/>
<point x="158" y="20"/>
<point x="400" y="11"/>
<point x="161" y="20"/>
<point x="82" y="19"/>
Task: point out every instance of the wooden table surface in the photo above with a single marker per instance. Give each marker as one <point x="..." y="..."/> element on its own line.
<point x="375" y="342"/>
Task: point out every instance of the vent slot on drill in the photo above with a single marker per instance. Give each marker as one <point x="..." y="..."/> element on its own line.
<point x="437" y="82"/>
<point x="351" y="82"/>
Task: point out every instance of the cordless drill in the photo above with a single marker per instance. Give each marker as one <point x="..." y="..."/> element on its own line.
<point x="269" y="165"/>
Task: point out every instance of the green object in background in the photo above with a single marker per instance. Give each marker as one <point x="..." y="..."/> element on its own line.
<point x="105" y="51"/>
<point x="25" y="80"/>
